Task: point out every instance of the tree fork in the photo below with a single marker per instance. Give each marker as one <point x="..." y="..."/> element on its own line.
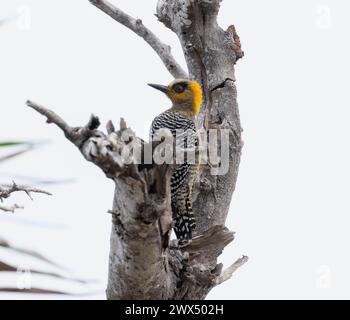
<point x="144" y="263"/>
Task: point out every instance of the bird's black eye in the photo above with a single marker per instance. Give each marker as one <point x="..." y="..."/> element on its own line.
<point x="179" y="87"/>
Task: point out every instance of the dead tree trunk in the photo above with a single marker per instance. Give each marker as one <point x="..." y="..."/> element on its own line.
<point x="144" y="263"/>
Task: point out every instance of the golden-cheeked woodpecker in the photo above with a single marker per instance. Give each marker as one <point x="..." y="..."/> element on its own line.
<point x="186" y="98"/>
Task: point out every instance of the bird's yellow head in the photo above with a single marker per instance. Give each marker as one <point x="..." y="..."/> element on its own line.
<point x="183" y="93"/>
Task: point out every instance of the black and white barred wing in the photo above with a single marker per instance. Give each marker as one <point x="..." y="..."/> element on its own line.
<point x="182" y="129"/>
<point x="184" y="132"/>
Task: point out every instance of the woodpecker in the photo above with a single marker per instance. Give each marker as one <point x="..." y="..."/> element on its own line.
<point x="186" y="98"/>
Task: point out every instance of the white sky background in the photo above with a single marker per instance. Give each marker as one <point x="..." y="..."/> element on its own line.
<point x="291" y="207"/>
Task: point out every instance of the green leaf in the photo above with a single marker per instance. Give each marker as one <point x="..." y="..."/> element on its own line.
<point x="12" y="143"/>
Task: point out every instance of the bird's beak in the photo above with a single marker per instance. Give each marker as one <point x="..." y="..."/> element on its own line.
<point x="159" y="87"/>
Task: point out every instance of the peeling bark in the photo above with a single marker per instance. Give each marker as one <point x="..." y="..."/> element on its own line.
<point x="211" y="54"/>
<point x="144" y="263"/>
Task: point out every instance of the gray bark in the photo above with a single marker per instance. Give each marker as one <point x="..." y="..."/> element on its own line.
<point x="6" y="190"/>
<point x="144" y="263"/>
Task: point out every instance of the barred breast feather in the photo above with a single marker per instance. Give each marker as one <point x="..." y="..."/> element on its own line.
<point x="184" y="131"/>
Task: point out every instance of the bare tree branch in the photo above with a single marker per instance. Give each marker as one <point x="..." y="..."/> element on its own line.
<point x="142" y="222"/>
<point x="73" y="134"/>
<point x="7" y="189"/>
<point x="106" y="151"/>
<point x="227" y="273"/>
<point x="143" y="262"/>
<point x="136" y="25"/>
<point x="10" y="208"/>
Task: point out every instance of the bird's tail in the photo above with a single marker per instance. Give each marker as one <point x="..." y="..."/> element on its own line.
<point x="184" y="221"/>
